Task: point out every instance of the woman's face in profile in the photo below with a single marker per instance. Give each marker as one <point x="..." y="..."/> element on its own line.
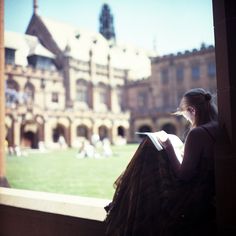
<point x="188" y="115"/>
<point x="188" y="112"/>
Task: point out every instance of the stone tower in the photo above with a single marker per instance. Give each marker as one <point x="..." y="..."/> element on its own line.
<point x="106" y="27"/>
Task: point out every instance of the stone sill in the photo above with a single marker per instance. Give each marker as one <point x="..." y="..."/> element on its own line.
<point x="68" y="205"/>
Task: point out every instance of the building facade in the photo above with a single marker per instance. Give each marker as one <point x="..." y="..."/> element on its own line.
<point x="65" y="82"/>
<point x="62" y="81"/>
<point x="152" y="101"/>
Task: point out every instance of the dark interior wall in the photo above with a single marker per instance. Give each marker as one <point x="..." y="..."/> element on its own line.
<point x="22" y="222"/>
<point x="224" y="13"/>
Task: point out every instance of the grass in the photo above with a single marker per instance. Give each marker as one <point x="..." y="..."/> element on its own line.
<point x="61" y="172"/>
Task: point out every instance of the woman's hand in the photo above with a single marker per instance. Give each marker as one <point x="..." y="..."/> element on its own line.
<point x="166" y="144"/>
<point x="163" y="138"/>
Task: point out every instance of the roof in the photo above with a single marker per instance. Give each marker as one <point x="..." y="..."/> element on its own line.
<point x="78" y="42"/>
<point x="25" y="45"/>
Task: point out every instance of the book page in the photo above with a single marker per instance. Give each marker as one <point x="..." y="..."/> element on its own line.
<point x="162" y="135"/>
<point x="153" y="138"/>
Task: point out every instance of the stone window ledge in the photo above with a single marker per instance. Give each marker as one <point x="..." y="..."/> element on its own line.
<point x="69" y="205"/>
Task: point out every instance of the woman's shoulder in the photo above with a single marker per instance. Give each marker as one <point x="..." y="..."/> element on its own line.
<point x="210" y="128"/>
<point x="211" y="125"/>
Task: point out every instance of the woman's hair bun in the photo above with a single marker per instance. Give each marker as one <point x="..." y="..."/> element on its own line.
<point x="208" y="96"/>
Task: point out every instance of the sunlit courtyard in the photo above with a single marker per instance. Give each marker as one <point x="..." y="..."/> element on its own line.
<point x="62" y="171"/>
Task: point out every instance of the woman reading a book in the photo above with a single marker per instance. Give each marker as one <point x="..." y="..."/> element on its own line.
<point x="159" y="195"/>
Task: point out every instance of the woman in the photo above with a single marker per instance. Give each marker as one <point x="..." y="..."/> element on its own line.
<point x="156" y="195"/>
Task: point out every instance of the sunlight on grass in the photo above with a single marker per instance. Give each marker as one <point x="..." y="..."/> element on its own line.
<point x="61" y="172"/>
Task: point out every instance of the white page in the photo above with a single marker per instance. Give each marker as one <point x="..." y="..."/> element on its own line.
<point x="175" y="141"/>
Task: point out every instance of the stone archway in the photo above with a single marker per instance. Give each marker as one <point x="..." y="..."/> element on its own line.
<point x="169" y="128"/>
<point x="82" y="131"/>
<point x="57" y="132"/>
<point x="121" y="131"/>
<point x="144" y="128"/>
<point x="103" y="132"/>
<point x="29" y="135"/>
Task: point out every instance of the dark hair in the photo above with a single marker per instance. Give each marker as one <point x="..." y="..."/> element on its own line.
<point x="202" y="101"/>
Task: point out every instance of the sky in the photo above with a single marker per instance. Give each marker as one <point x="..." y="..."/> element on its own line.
<point x="167" y="26"/>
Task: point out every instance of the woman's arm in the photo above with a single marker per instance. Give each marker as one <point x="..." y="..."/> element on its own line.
<point x="192" y="152"/>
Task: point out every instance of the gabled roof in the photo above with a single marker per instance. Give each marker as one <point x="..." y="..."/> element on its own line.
<point x="25" y="45"/>
<point x="78" y="43"/>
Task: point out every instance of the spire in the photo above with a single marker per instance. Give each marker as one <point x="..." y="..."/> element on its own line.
<point x="35" y="7"/>
<point x="106" y="23"/>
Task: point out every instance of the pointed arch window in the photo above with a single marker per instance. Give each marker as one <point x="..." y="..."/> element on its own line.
<point x="81" y="91"/>
<point x="103" y="94"/>
<point x="12" y="93"/>
<point x="142" y="100"/>
<point x="29" y="91"/>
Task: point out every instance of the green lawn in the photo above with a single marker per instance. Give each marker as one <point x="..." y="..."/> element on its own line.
<point x="61" y="172"/>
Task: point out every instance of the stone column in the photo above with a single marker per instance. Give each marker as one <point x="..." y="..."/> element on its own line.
<point x="114" y="100"/>
<point x="113" y="132"/>
<point x="96" y="98"/>
<point x="47" y="132"/>
<point x="224" y="14"/>
<point x="73" y="130"/>
<point x="16" y="131"/>
<point x="3" y="180"/>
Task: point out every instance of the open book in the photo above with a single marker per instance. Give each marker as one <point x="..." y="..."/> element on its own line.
<point x="162" y="135"/>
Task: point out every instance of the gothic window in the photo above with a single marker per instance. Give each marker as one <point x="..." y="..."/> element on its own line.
<point x="29" y="92"/>
<point x="195" y="72"/>
<point x="166" y="99"/>
<point x="142" y="100"/>
<point x="12" y="84"/>
<point x="11" y="92"/>
<point x="55" y="97"/>
<point x="9" y="56"/>
<point x="103" y="95"/>
<point x="120" y="99"/>
<point x="164" y="76"/>
<point x="211" y="69"/>
<point x="81" y="91"/>
<point x="180" y="73"/>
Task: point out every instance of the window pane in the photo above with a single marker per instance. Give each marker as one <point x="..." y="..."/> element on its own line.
<point x="81" y="93"/>
<point x="55" y="97"/>
<point x="164" y="76"/>
<point x="142" y="99"/>
<point x="9" y="56"/>
<point x="195" y="72"/>
<point x="180" y="74"/>
<point x="211" y="69"/>
<point x="103" y="96"/>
